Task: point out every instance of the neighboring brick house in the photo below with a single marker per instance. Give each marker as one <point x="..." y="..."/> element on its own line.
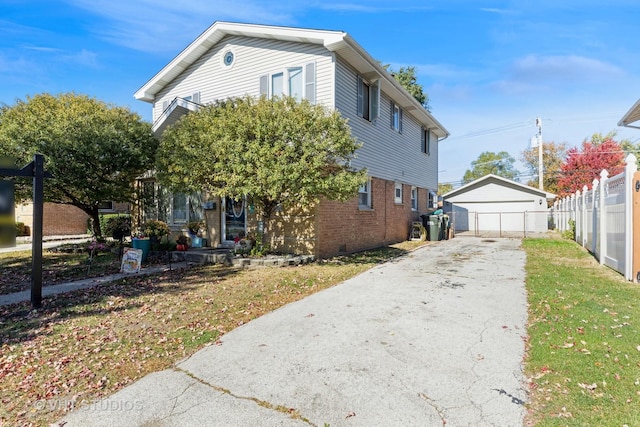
<point x="400" y="138"/>
<point x="63" y="220"/>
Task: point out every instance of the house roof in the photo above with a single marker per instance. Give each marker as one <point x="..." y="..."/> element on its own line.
<point x="502" y="181"/>
<point x="335" y="41"/>
<point x="632" y="116"/>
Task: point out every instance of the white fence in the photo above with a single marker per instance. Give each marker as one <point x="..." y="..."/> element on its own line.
<point x="603" y="218"/>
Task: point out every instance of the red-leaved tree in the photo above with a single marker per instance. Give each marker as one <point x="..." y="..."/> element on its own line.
<point x="583" y="165"/>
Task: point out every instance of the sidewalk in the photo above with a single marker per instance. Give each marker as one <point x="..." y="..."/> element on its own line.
<point x="434" y="338"/>
<point x="24" y="243"/>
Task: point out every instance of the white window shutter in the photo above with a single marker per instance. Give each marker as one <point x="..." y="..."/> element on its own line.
<point x="264" y="85"/>
<point x="400" y="120"/>
<point x="165" y="104"/>
<point x="310" y="82"/>
<point x="196" y="98"/>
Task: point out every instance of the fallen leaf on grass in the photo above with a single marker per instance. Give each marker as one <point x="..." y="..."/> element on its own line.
<point x="590" y="387"/>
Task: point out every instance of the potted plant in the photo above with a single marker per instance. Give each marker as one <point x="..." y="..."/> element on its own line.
<point x="196" y="229"/>
<point x="182" y="243"/>
<point x="155" y="230"/>
<point x="118" y="227"/>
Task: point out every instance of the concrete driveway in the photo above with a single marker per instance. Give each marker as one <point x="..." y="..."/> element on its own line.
<point x="434" y="338"/>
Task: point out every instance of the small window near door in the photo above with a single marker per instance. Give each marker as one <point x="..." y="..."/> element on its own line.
<point x="398" y="192"/>
<point x="414" y="199"/>
<point x="364" y="195"/>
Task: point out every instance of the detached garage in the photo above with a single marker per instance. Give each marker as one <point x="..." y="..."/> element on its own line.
<point x="496" y="204"/>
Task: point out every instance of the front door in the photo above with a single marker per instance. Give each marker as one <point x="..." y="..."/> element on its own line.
<point x="234" y="219"/>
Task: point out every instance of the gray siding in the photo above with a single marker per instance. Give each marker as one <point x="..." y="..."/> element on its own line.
<point x="253" y="58"/>
<point x="386" y="153"/>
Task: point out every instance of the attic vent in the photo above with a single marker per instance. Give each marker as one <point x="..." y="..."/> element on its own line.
<point x="228" y="58"/>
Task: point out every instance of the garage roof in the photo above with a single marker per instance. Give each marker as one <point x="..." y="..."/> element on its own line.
<point x="504" y="181"/>
<point x="632" y="116"/>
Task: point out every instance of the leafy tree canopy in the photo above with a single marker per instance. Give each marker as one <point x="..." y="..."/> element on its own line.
<point x="94" y="150"/>
<point x="501" y="164"/>
<point x="584" y="164"/>
<point x="406" y="76"/>
<point x="553" y="155"/>
<point x="277" y="151"/>
<point x="444" y="188"/>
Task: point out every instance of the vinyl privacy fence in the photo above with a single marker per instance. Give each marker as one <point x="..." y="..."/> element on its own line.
<point x="606" y="216"/>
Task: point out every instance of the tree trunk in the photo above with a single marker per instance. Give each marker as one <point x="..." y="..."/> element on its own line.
<point x="95" y="222"/>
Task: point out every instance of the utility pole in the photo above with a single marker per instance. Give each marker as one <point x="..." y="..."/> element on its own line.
<point x="540" y="166"/>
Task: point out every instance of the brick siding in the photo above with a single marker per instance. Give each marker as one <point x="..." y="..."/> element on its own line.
<point x="345" y="228"/>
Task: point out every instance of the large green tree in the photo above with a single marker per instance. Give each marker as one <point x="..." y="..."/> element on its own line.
<point x="406" y="76"/>
<point x="553" y="156"/>
<point x="93" y="149"/>
<point x="501" y="164"/>
<point x="277" y="151"/>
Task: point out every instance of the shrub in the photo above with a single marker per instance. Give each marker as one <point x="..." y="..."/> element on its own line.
<point x="155" y="228"/>
<point x="118" y="226"/>
<point x="571" y="232"/>
<point x="22" y="229"/>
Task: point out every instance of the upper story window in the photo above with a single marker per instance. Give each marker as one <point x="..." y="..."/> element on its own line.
<point x="398" y="192"/>
<point x="368" y="99"/>
<point x="396" y="117"/>
<point x="426" y="141"/>
<point x="364" y="195"/>
<point x="298" y="82"/>
<point x="414" y="199"/>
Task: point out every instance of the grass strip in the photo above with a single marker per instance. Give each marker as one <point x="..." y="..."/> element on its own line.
<point x="583" y="356"/>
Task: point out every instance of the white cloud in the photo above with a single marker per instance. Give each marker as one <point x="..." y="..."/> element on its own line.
<point x="168" y="25"/>
<point x="84" y="57"/>
<point x="562" y="68"/>
<point x="503" y="12"/>
<point x="44" y="49"/>
<point x="543" y="73"/>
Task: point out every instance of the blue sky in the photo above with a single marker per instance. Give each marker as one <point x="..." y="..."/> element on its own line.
<point x="489" y="67"/>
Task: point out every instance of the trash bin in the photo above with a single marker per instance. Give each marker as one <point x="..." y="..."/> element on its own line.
<point x="446" y="225"/>
<point x="434" y="227"/>
<point x="144" y="244"/>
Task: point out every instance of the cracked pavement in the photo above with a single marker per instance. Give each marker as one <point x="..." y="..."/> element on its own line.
<point x="433" y="338"/>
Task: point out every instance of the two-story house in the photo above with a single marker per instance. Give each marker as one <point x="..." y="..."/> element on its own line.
<point x="399" y="136"/>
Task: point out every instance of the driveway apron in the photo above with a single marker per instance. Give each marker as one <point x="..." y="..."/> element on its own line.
<point x="433" y="338"/>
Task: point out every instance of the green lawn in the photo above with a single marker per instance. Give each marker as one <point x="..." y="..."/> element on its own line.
<point x="583" y="359"/>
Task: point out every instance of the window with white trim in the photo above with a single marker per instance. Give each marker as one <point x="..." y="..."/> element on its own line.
<point x="298" y="82"/>
<point x="106" y="206"/>
<point x="414" y="199"/>
<point x="396" y="117"/>
<point x="398" y="192"/>
<point x="368" y="99"/>
<point x="173" y="208"/>
<point x="426" y="141"/>
<point x="432" y="200"/>
<point x="364" y="195"/>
